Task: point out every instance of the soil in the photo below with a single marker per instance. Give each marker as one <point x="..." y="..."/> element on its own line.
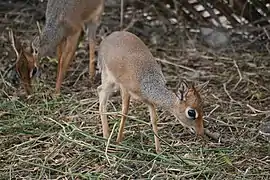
<point x="47" y="138"/>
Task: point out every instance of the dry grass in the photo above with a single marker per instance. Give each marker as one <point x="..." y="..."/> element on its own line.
<point x="60" y="138"/>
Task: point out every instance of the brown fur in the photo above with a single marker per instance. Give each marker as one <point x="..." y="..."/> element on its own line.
<point x="127" y="64"/>
<point x="25" y="62"/>
<point x="65" y="20"/>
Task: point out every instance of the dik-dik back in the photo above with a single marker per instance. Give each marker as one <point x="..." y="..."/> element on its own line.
<point x="65" y="17"/>
<point x="128" y="58"/>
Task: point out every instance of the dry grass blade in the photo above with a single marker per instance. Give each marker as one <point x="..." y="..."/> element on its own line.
<point x="61" y="138"/>
<point x="12" y="40"/>
<point x="177" y="65"/>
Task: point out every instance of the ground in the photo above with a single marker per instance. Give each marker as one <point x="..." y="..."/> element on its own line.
<point x="61" y="138"/>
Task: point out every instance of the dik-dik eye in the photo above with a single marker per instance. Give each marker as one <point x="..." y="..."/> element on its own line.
<point x="34" y="51"/>
<point x="33" y="72"/>
<point x="191" y="113"/>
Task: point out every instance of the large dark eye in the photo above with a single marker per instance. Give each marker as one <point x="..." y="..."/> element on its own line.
<point x="33" y="72"/>
<point x="34" y="51"/>
<point x="191" y="113"/>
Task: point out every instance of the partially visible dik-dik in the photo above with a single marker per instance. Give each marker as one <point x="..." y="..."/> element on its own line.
<point x="127" y="64"/>
<point x="26" y="65"/>
<point x="65" y="20"/>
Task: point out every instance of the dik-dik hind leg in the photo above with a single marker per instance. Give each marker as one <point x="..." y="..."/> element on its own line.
<point x="125" y="106"/>
<point x="92" y="28"/>
<point x="104" y="92"/>
<point x="153" y="116"/>
<point x="66" y="52"/>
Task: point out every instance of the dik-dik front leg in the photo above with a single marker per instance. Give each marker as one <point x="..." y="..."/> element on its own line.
<point x="66" y="51"/>
<point x="154" y="118"/>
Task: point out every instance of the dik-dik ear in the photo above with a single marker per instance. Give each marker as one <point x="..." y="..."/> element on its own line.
<point x="34" y="46"/>
<point x="35" y="42"/>
<point x="182" y="90"/>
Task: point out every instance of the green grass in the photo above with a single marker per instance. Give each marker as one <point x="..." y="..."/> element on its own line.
<point x="37" y="141"/>
<point x="61" y="138"/>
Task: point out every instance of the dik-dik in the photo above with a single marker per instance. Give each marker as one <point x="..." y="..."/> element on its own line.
<point x="127" y="64"/>
<point x="65" y="20"/>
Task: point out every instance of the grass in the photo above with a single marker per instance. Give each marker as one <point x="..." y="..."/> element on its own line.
<point x="53" y="138"/>
<point x="61" y="138"/>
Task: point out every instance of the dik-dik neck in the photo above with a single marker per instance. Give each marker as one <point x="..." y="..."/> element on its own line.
<point x="51" y="37"/>
<point x="159" y="95"/>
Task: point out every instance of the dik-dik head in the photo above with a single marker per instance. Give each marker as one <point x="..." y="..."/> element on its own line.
<point x="26" y="63"/>
<point x="189" y="107"/>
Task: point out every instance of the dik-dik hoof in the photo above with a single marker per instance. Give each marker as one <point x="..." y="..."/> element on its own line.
<point x="55" y="95"/>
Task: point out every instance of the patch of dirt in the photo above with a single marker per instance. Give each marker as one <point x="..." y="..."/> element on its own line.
<point x="56" y="138"/>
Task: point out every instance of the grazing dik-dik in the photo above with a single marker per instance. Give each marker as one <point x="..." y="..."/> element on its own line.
<point x="26" y="65"/>
<point x="127" y="64"/>
<point x="65" y="20"/>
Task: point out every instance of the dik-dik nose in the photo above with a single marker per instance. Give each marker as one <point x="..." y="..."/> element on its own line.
<point x="199" y="128"/>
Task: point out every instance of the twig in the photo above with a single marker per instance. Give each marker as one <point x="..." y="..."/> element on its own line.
<point x="254" y="110"/>
<point x="215" y="136"/>
<point x="177" y="65"/>
<point x="108" y="143"/>
<point x="11" y="36"/>
<point x="227" y="92"/>
<point x="240" y="75"/>
<point x="132" y="22"/>
<point x="150" y="170"/>
<point x="266" y="32"/>
<point x="4" y="113"/>
<point x="217" y="106"/>
<point x="80" y="75"/>
<point x="122" y="14"/>
<point x="39" y="29"/>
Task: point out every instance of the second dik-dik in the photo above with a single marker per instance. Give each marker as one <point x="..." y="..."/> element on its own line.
<point x="127" y="64"/>
<point x="65" y="20"/>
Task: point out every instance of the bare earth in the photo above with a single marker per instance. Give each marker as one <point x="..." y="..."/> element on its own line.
<point x="61" y="138"/>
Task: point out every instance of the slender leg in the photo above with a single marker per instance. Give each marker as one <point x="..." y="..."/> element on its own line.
<point x="103" y="98"/>
<point x="66" y="57"/>
<point x="153" y="116"/>
<point x="104" y="92"/>
<point x="60" y="48"/>
<point x="125" y="107"/>
<point x="92" y="28"/>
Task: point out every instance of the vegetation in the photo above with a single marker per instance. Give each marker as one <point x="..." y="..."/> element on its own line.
<point x="42" y="137"/>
